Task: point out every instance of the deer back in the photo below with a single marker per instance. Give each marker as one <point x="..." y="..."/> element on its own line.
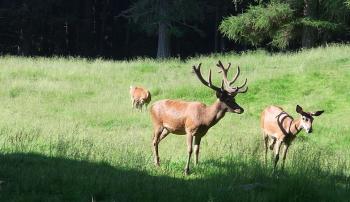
<point x="138" y="93"/>
<point x="178" y="116"/>
<point x="275" y="122"/>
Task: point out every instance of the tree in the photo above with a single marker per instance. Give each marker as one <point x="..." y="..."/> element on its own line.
<point x="164" y="18"/>
<point x="309" y="12"/>
<point x="261" y="24"/>
<point x="320" y="20"/>
<point x="163" y="49"/>
<point x="90" y="28"/>
<point x="277" y="22"/>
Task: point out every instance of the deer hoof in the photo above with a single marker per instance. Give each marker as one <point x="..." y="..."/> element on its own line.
<point x="187" y="171"/>
<point x="156" y="163"/>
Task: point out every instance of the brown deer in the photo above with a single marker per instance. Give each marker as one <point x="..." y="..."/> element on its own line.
<point x="194" y="119"/>
<point x="280" y="128"/>
<point x="139" y="97"/>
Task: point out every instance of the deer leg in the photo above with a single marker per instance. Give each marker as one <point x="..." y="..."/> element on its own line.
<point x="136" y="104"/>
<point x="164" y="133"/>
<point x="132" y="103"/>
<point x="141" y="104"/>
<point x="266" y="141"/>
<point x="197" y="142"/>
<point x="272" y="143"/>
<point x="158" y="136"/>
<point x="285" y="150"/>
<point x="277" y="151"/>
<point x="189" y="141"/>
<point x="155" y="143"/>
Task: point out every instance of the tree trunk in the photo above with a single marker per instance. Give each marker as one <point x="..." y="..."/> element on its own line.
<point x="163" y="32"/>
<point x="25" y="38"/>
<point x="308" y="37"/>
<point x="103" y="21"/>
<point x="66" y="37"/>
<point x="216" y="34"/>
<point x="222" y="45"/>
<point x="163" y="41"/>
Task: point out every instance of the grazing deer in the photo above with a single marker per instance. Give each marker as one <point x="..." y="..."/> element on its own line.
<point x="280" y="128"/>
<point x="194" y="119"/>
<point x="139" y="97"/>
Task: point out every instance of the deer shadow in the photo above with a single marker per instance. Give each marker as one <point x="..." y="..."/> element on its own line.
<point x="34" y="177"/>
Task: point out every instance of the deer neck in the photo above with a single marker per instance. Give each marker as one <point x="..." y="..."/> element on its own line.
<point x="295" y="127"/>
<point x="214" y="113"/>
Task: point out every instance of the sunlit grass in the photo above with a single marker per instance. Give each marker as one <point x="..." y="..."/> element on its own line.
<point x="67" y="131"/>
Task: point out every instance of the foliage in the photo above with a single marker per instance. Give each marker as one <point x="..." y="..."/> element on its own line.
<point x="259" y="24"/>
<point x="179" y="14"/>
<point x="327" y="18"/>
<point x="320" y="24"/>
<point x="334" y="11"/>
<point x="92" y="28"/>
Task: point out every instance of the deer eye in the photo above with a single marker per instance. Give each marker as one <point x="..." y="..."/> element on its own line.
<point x="303" y="118"/>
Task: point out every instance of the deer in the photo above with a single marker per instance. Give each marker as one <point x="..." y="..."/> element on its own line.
<point x="278" y="128"/>
<point x="192" y="118"/>
<point x="139" y="96"/>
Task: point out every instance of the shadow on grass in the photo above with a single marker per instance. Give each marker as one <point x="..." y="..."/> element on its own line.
<point x="33" y="177"/>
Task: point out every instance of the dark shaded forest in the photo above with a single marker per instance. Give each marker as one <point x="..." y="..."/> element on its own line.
<point x="122" y="29"/>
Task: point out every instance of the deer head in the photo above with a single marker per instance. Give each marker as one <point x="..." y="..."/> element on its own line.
<point x="307" y="118"/>
<point x="226" y="93"/>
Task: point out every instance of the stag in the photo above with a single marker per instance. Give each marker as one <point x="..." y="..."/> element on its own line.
<point x="280" y="128"/>
<point x="194" y="119"/>
<point x="139" y="97"/>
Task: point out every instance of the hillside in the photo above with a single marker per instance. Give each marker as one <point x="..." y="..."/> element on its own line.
<point x="68" y="133"/>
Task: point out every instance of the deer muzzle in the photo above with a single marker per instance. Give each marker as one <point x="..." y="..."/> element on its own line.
<point x="309" y="130"/>
<point x="239" y="110"/>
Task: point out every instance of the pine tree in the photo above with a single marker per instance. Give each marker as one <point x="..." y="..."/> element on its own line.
<point x="277" y="22"/>
<point x="164" y="18"/>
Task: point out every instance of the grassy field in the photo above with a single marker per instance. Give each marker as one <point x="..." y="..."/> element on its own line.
<point x="67" y="131"/>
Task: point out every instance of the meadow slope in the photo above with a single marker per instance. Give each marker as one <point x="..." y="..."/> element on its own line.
<point x="67" y="131"/>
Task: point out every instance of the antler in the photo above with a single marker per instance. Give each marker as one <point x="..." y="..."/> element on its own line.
<point x="228" y="88"/>
<point x="224" y="72"/>
<point x="197" y="71"/>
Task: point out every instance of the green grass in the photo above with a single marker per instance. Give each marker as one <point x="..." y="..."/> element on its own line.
<point x="67" y="131"/>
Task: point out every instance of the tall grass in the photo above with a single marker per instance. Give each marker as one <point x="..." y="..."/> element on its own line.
<point x="67" y="131"/>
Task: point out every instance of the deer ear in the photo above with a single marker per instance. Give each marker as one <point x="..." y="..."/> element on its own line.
<point x="317" y="113"/>
<point x="299" y="109"/>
